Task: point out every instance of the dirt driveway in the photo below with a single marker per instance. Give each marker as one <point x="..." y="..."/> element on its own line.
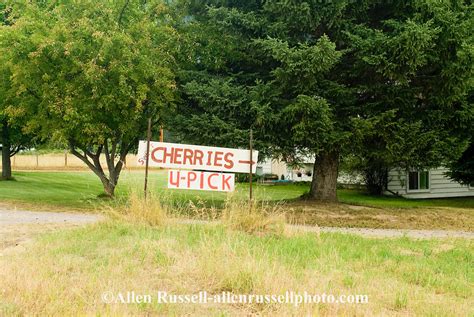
<point x="18" y="227"/>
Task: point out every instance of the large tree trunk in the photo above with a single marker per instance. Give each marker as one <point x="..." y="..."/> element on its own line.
<point x="109" y="187"/>
<point x="6" y="153"/>
<point x="376" y="177"/>
<point x="325" y="171"/>
<point x="92" y="160"/>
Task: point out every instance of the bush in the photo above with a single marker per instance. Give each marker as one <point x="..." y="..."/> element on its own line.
<point x="244" y="178"/>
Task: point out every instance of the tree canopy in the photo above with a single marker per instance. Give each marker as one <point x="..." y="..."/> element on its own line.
<point x="91" y="73"/>
<point x="390" y="83"/>
<point x="384" y="80"/>
<point x="462" y="170"/>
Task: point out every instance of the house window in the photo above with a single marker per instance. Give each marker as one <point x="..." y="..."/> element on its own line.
<point x="419" y="180"/>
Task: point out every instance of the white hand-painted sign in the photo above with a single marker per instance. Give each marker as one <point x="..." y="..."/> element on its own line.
<point x="184" y="156"/>
<point x="183" y="179"/>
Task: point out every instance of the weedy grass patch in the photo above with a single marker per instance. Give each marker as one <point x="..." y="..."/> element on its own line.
<point x="254" y="217"/>
<point x="66" y="272"/>
<point x="136" y="208"/>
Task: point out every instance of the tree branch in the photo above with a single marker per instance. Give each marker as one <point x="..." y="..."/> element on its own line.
<point x="98" y="166"/>
<point x="82" y="157"/>
<point x="15" y="150"/>
<point x="99" y="150"/>
<point x="34" y="94"/>
<point x="109" y="159"/>
<point x="85" y="159"/>
<point x="123" y="153"/>
<point x="114" y="148"/>
<point x="123" y="11"/>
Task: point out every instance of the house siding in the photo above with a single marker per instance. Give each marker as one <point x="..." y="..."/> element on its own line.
<point x="440" y="185"/>
<point x="272" y="167"/>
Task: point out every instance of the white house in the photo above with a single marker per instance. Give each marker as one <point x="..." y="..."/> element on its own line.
<point x="415" y="184"/>
<point x="275" y="167"/>
<point x="302" y="173"/>
<point x="426" y="184"/>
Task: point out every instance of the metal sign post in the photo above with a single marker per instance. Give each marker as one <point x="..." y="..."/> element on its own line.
<point x="147" y="159"/>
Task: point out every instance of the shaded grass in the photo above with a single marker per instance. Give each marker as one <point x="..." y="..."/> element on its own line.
<point x="65" y="272"/>
<point x="342" y="215"/>
<point x="357" y="197"/>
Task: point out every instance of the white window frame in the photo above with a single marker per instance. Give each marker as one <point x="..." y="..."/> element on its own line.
<point x="418" y="190"/>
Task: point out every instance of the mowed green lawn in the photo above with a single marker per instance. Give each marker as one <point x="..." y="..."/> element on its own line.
<point x="80" y="190"/>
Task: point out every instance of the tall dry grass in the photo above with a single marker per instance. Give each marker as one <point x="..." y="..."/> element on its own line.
<point x="237" y="214"/>
<point x="254" y="217"/>
<point x="140" y="210"/>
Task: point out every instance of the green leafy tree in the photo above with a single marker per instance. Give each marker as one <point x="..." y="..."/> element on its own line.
<point x="216" y="106"/>
<point x="427" y="71"/>
<point x="315" y="78"/>
<point x="386" y="141"/>
<point x="12" y="136"/>
<point x="91" y="73"/>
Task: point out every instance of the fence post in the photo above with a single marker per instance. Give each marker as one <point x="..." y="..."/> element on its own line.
<point x="65" y="158"/>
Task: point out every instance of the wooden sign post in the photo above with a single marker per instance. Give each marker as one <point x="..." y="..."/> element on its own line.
<point x="148" y="139"/>
<point x="251" y="168"/>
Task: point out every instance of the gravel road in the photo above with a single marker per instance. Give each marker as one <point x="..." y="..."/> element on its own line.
<point x="18" y="227"/>
<point x="375" y="233"/>
<point x="394" y="233"/>
<point x="14" y="217"/>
